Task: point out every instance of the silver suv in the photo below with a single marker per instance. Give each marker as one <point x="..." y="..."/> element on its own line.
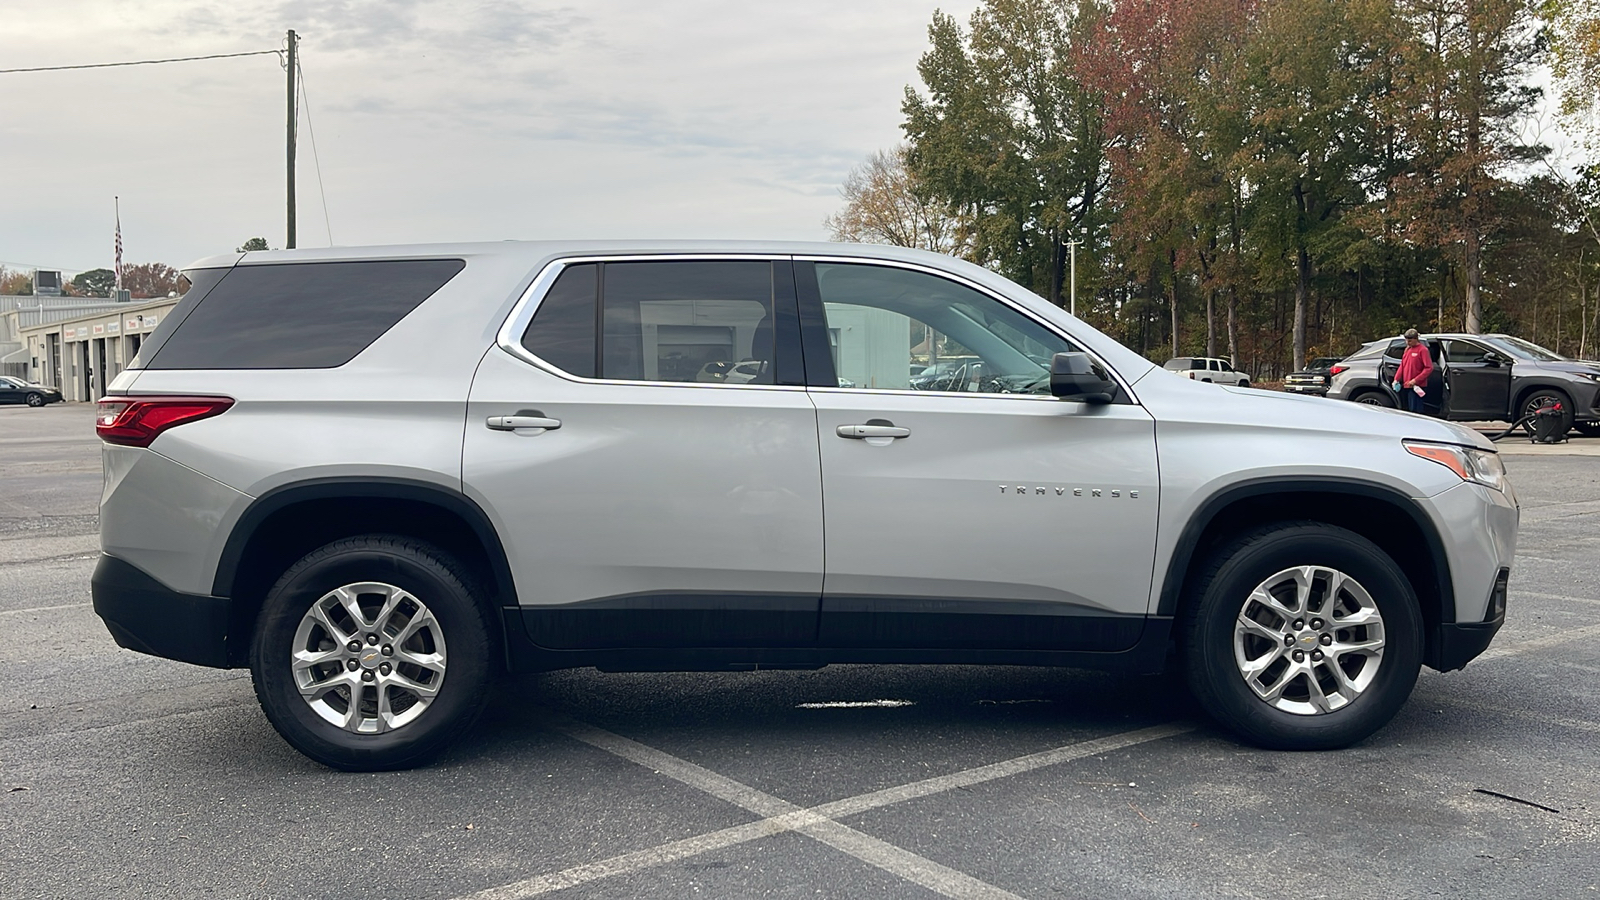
<point x="380" y="477"/>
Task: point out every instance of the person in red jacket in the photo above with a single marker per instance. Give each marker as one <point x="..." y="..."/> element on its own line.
<point x="1415" y="367"/>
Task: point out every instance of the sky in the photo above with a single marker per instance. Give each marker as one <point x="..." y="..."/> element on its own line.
<point x="441" y="120"/>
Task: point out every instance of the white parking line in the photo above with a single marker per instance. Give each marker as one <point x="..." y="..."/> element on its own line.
<point x="12" y="612"/>
<point x="817" y="823"/>
<point x="1544" y="596"/>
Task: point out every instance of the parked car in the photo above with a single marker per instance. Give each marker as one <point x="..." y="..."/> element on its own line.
<point x="15" y="390"/>
<point x="1204" y="368"/>
<point x="1313" y="379"/>
<point x="954" y="374"/>
<point x="1479" y="377"/>
<point x="376" y="477"/>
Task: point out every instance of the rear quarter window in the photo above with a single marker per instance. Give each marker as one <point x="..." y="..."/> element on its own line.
<point x="298" y="315"/>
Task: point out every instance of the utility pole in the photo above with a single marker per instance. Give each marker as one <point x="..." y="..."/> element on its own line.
<point x="1072" y="254"/>
<point x="294" y="41"/>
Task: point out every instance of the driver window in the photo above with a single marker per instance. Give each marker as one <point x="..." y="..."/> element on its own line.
<point x="1464" y="352"/>
<point x="897" y="329"/>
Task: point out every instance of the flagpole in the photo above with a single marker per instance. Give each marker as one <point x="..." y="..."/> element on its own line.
<point x="118" y="271"/>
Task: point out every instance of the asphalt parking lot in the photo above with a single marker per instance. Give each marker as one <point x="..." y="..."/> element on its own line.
<point x="125" y="775"/>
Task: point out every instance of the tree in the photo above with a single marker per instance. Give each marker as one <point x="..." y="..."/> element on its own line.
<point x="1008" y="135"/>
<point x="1575" y="42"/>
<point x="13" y="282"/>
<point x="255" y="243"/>
<point x="149" y="280"/>
<point x="886" y="204"/>
<point x="1464" y="78"/>
<point x="95" y="282"/>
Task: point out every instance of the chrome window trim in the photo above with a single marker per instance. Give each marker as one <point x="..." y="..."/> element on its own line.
<point x="987" y="292"/>
<point x="509" y="337"/>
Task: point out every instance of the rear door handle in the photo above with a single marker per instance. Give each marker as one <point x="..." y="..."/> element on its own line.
<point x="512" y="423"/>
<point x="873" y="429"/>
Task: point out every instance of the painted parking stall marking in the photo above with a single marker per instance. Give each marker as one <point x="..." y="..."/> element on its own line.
<point x="818" y="823"/>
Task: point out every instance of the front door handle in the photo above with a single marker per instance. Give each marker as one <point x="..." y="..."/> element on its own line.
<point x="512" y="423"/>
<point x="877" y="428"/>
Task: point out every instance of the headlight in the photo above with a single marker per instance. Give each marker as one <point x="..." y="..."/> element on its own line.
<point x="1481" y="466"/>
<point x="1592" y="376"/>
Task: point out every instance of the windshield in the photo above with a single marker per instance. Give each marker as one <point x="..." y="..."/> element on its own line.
<point x="1521" y="349"/>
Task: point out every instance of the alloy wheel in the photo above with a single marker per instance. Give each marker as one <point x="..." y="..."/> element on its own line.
<point x="1309" y="640"/>
<point x="368" y="657"/>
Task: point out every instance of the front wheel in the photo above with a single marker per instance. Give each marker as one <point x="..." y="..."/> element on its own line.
<point x="1542" y="397"/>
<point x="35" y="400"/>
<point x="1302" y="636"/>
<point x="372" y="653"/>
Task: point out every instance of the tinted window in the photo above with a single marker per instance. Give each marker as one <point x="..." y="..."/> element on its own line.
<point x="706" y="322"/>
<point x="1396" y="349"/>
<point x="562" y="331"/>
<point x="298" y="315"/>
<point x="886" y="322"/>
<point x="1464" y="352"/>
<point x="196" y="283"/>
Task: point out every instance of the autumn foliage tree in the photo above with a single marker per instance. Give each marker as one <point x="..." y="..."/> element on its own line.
<point x="148" y="280"/>
<point x="886" y="204"/>
<point x="1330" y="171"/>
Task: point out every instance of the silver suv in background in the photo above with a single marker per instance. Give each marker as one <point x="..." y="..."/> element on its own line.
<point x="379" y="477"/>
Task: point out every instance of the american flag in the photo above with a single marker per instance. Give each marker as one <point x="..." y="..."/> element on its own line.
<point x="118" y="202"/>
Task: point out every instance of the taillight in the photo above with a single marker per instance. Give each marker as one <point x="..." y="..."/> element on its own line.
<point x="136" y="421"/>
<point x="1337" y="369"/>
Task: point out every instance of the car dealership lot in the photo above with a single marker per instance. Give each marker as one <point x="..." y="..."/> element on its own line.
<point x="125" y="775"/>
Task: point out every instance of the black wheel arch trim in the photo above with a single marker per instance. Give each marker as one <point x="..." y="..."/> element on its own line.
<point x="1189" y="539"/>
<point x="386" y="488"/>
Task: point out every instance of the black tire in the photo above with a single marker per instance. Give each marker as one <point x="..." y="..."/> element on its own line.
<point x="458" y="635"/>
<point x="1374" y="398"/>
<point x="1244" y="382"/>
<point x="1537" y="398"/>
<point x="1220" y="596"/>
<point x="35" y="400"/>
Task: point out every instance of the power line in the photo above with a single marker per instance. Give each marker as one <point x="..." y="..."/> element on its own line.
<point x="300" y="71"/>
<point x="142" y="62"/>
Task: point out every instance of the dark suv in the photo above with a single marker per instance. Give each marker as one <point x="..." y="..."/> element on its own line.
<point x="1479" y="377"/>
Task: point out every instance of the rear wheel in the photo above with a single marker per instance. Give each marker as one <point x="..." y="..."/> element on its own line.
<point x="1374" y="398"/>
<point x="1302" y="636"/>
<point x="372" y="653"/>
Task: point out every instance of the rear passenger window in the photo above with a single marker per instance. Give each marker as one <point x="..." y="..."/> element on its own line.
<point x="706" y="322"/>
<point x="300" y="315"/>
<point x="562" y="331"/>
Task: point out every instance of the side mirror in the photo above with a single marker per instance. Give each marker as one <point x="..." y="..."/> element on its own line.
<point x="1074" y="376"/>
<point x="1489" y="359"/>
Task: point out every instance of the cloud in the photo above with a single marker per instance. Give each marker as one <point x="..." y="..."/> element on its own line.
<point x="447" y="119"/>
